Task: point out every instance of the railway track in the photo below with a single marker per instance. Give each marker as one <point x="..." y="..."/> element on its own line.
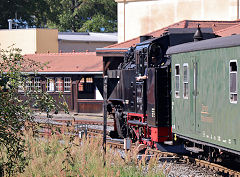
<point x="216" y="168"/>
<point x="85" y="122"/>
<point x="63" y="126"/>
<point x="117" y="145"/>
<point x="200" y="163"/>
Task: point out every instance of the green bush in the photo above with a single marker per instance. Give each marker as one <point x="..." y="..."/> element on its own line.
<point x="16" y="115"/>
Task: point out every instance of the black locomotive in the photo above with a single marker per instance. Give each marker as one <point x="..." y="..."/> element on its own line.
<point x="140" y="98"/>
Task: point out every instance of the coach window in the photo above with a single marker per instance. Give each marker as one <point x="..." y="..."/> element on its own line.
<point x="185" y="81"/>
<point x="177" y="80"/>
<point x="233" y="81"/>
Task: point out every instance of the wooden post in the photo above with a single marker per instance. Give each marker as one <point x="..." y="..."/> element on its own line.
<point x="105" y="81"/>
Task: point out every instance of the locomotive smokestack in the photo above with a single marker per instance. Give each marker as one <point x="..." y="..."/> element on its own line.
<point x="198" y="36"/>
<point x="144" y="38"/>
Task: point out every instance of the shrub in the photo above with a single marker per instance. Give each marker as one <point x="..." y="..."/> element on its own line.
<point x="16" y="114"/>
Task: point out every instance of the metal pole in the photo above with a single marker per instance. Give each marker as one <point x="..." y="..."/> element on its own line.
<point x="124" y="20"/>
<point x="237" y="9"/>
<point x="105" y="115"/>
<point x="10" y="22"/>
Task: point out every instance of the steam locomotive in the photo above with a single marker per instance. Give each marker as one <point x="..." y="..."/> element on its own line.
<point x="171" y="90"/>
<point x="140" y="101"/>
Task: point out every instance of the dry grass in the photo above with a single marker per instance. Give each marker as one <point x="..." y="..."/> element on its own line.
<point x="63" y="156"/>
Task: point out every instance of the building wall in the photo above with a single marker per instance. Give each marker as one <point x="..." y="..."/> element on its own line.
<point x="87" y="105"/>
<point x="23" y="39"/>
<point x="81" y="46"/>
<point x="47" y="40"/>
<point x="30" y="40"/>
<point x="138" y="17"/>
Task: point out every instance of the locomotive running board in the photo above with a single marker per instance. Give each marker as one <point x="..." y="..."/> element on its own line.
<point x="136" y="122"/>
<point x="171" y="148"/>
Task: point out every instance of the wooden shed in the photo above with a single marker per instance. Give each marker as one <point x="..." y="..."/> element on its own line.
<point x="73" y="75"/>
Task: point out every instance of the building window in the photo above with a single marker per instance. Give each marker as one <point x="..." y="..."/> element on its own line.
<point x="81" y="85"/>
<point x="50" y="85"/>
<point x="185" y="81"/>
<point x="59" y="84"/>
<point x="67" y="84"/>
<point x="20" y="87"/>
<point x="233" y="81"/>
<point x="86" y="88"/>
<point x="29" y="85"/>
<point x="177" y="80"/>
<point x="89" y="85"/>
<point x="37" y="84"/>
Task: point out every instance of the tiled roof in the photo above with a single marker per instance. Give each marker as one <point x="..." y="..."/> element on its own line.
<point x="215" y="25"/>
<point x="69" y="62"/>
<point x="91" y="37"/>
<point x="229" y="31"/>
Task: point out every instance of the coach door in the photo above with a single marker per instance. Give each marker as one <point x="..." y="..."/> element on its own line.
<point x="195" y="93"/>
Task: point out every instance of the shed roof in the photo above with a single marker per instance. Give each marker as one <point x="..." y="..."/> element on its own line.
<point x="215" y="25"/>
<point x="229" y="31"/>
<point x="69" y="62"/>
<point x="221" y="42"/>
<point x="87" y="36"/>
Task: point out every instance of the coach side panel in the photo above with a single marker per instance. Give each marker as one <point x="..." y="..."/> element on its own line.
<point x="205" y="101"/>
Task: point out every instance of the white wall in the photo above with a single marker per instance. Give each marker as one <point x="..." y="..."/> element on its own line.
<point x="138" y="17"/>
<point x="98" y="95"/>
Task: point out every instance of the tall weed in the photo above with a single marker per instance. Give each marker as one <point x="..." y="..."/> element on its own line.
<point x="67" y="156"/>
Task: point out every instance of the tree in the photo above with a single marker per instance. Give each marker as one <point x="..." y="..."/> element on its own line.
<point x="98" y="24"/>
<point x="83" y="15"/>
<point x="66" y="15"/>
<point x="9" y="9"/>
<point x="24" y="12"/>
<point x="16" y="114"/>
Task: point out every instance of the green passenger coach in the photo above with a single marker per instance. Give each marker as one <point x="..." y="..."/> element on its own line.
<point x="205" y="97"/>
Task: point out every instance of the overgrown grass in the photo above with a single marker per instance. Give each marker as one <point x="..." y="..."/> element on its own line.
<point x="67" y="156"/>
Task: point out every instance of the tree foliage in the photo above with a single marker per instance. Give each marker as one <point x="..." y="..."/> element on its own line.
<point x="16" y="114"/>
<point x="31" y="12"/>
<point x="66" y="15"/>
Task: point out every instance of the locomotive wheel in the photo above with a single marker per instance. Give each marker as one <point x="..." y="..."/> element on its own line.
<point x="113" y="134"/>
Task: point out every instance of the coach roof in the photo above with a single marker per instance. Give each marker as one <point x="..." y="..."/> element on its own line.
<point x="221" y="42"/>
